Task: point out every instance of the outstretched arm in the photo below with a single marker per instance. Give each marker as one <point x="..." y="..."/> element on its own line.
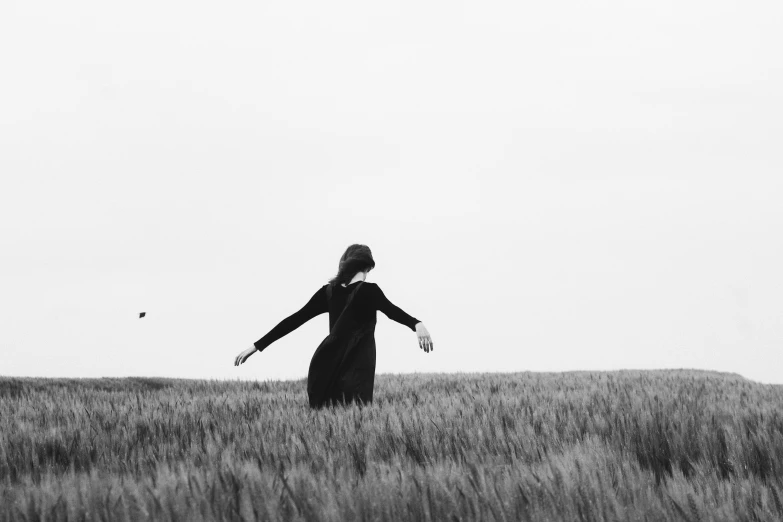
<point x="393" y="312"/>
<point x="315" y="306"/>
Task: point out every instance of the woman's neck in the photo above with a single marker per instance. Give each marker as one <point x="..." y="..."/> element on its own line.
<point x="361" y="276"/>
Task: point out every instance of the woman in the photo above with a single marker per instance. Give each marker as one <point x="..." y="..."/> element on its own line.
<point x="343" y="366"/>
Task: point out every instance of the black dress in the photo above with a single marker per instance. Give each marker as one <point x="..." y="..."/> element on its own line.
<point x="343" y="367"/>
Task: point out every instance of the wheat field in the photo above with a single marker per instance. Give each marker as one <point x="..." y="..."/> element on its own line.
<point x="632" y="445"/>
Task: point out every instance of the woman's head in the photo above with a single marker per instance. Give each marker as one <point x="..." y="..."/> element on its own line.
<point x="357" y="258"/>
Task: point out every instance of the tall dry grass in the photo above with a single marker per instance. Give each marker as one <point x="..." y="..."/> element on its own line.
<point x="668" y="445"/>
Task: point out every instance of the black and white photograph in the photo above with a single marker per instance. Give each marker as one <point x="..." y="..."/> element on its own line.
<point x="403" y="261"/>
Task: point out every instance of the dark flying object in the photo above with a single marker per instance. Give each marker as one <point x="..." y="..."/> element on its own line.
<point x="142" y="314"/>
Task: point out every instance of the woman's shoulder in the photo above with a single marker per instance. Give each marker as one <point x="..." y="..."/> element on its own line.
<point x="371" y="289"/>
<point x="368" y="284"/>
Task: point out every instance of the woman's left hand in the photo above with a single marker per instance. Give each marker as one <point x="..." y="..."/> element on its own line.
<point x="242" y="357"/>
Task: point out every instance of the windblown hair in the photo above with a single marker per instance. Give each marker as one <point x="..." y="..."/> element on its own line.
<point x="357" y="258"/>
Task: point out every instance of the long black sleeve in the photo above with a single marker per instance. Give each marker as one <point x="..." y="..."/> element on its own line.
<point x="315" y="306"/>
<point x="395" y="313"/>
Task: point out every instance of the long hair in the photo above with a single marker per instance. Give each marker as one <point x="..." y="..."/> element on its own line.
<point x="357" y="258"/>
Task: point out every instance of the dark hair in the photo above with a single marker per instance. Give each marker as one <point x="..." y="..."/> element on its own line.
<point x="357" y="258"/>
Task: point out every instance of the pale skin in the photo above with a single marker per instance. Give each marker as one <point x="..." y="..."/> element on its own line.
<point x="425" y="341"/>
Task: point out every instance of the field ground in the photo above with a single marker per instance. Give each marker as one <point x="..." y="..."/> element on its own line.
<point x="634" y="445"/>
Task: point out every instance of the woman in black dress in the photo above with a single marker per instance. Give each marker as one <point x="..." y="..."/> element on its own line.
<point x="343" y="366"/>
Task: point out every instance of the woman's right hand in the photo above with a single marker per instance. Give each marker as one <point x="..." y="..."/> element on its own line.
<point x="242" y="357"/>
<point x="425" y="341"/>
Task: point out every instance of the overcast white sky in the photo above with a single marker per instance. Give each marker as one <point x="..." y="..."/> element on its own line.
<point x="548" y="186"/>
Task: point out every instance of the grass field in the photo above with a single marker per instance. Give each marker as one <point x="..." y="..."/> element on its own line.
<point x="665" y="445"/>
